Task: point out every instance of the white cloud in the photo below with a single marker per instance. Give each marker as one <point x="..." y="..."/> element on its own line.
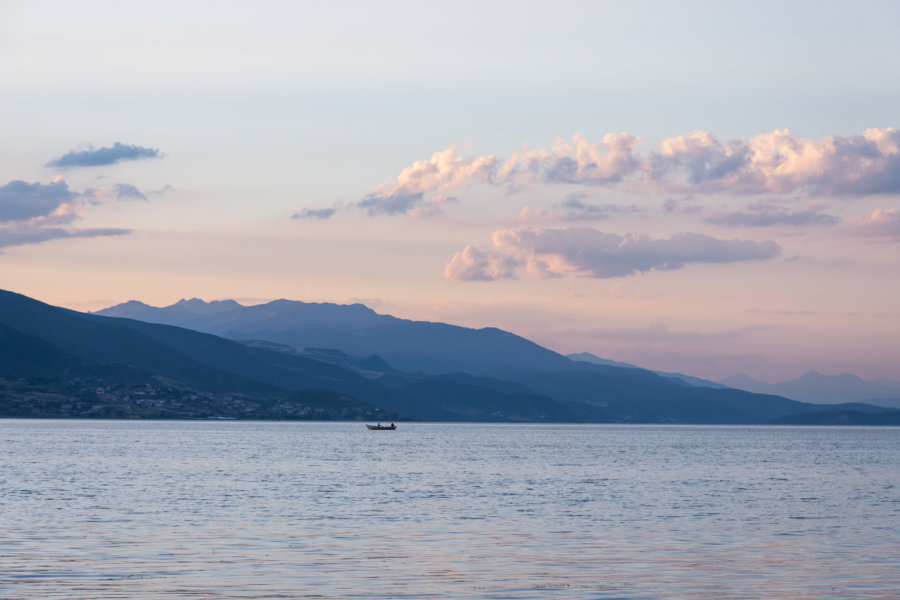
<point x="586" y="252"/>
<point x="780" y="162"/>
<point x="579" y="161"/>
<point x="775" y="162"/>
<point x="475" y="264"/>
<point x="31" y="213"/>
<point x="698" y="158"/>
<point x="443" y="172"/>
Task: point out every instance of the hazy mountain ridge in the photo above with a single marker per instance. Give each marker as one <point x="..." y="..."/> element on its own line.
<point x="95" y="365"/>
<point x="228" y="318"/>
<point x="439" y="348"/>
<point x="436" y="348"/>
<point x="818" y="388"/>
<point x="407" y="345"/>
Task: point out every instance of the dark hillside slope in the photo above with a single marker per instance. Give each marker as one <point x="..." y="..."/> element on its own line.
<point x="23" y="355"/>
<point x="187" y="356"/>
<point x="106" y="341"/>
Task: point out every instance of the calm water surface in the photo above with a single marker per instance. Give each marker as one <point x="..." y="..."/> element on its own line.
<point x="114" y="509"/>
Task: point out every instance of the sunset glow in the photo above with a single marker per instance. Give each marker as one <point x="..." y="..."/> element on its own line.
<point x="711" y="190"/>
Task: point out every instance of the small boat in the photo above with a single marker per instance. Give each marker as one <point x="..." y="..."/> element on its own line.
<point x="381" y="427"/>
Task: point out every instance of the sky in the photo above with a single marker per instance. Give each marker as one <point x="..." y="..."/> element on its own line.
<point x="711" y="188"/>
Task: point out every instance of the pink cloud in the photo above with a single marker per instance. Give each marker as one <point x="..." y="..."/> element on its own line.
<point x="585" y="252"/>
<point x="33" y="213"/>
<point x="579" y="161"/>
<point x="780" y="162"/>
<point x="475" y="264"/>
<point x="443" y="172"/>
<point x="775" y="162"/>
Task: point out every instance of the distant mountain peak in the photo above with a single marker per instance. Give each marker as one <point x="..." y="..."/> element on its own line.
<point x="819" y="388"/>
<point x="191" y="302"/>
<point x="738" y="380"/>
<point x="282" y="302"/>
<point x="197" y="305"/>
<point x="125" y="306"/>
<point x="816" y="376"/>
<point x="850" y="376"/>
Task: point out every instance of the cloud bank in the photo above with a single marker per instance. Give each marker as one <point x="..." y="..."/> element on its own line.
<point x="21" y="201"/>
<point x="91" y="157"/>
<point x="585" y="252"/>
<point x="777" y="162"/>
<point x="780" y="162"/>
<point x="31" y="213"/>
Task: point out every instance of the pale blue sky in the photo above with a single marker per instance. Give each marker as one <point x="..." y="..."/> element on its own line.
<point x="264" y="109"/>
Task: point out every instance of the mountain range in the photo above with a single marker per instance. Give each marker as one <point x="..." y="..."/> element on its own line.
<point x="356" y="330"/>
<point x="817" y="388"/>
<point x="295" y="360"/>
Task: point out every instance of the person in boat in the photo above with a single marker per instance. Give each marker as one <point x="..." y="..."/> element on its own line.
<point x="392" y="425"/>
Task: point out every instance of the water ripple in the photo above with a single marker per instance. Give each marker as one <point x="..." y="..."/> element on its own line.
<point x="276" y="510"/>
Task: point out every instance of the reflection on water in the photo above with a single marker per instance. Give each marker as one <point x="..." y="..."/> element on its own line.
<point x="286" y="510"/>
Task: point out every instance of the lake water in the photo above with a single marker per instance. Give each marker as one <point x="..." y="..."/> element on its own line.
<point x="115" y="509"/>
